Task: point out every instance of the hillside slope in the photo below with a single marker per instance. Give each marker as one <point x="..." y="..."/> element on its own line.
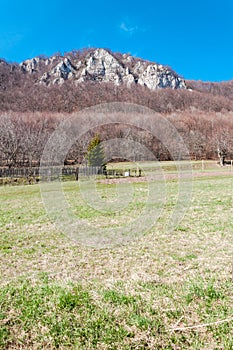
<point x="82" y="78"/>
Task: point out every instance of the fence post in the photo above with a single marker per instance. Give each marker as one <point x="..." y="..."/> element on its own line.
<point x="202" y="165"/>
<point x="77" y="173"/>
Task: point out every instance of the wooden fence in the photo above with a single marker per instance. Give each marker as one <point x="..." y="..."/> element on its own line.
<point x="91" y="170"/>
<point x="52" y="173"/>
<point x="33" y="172"/>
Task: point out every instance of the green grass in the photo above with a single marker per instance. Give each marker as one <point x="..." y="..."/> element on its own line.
<point x="45" y="314"/>
<point x="58" y="294"/>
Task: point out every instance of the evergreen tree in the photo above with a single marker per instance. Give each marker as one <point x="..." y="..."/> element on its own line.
<point x="95" y="152"/>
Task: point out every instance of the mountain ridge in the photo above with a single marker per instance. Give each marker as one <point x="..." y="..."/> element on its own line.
<point x="103" y="66"/>
<point x="78" y="79"/>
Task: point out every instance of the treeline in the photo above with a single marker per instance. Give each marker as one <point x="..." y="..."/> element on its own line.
<point x="24" y="135"/>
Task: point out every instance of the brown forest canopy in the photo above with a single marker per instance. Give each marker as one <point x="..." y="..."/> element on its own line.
<point x="24" y="135"/>
<point x="22" y="96"/>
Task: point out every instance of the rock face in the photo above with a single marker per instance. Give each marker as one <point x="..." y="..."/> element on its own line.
<point x="156" y="76"/>
<point x="102" y="66"/>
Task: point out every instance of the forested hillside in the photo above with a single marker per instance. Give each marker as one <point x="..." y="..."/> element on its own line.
<point x="38" y="93"/>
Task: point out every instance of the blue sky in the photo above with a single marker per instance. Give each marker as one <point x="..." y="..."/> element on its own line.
<point x="193" y="37"/>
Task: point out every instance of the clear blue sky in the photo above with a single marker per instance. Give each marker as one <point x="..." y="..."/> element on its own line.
<point x="193" y="37"/>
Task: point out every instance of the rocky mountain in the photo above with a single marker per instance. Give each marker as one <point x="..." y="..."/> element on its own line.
<point x="100" y="65"/>
<point x="78" y="79"/>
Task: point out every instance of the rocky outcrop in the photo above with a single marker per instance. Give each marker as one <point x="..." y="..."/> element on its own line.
<point x="102" y="66"/>
<point x="156" y="77"/>
<point x="30" y="66"/>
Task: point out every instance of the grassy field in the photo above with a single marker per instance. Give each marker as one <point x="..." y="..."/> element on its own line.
<point x="162" y="290"/>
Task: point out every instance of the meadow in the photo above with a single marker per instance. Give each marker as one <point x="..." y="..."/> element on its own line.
<point x="163" y="289"/>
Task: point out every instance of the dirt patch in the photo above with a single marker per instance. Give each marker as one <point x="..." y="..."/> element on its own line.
<point x="175" y="176"/>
